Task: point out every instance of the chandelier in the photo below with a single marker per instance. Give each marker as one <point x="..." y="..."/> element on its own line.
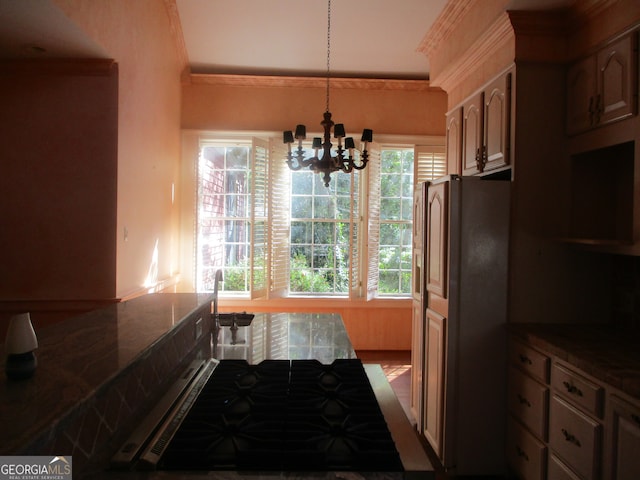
<point x="327" y="163"/>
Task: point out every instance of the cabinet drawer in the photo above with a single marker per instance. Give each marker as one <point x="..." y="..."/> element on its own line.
<point x="559" y="471"/>
<point x="526" y="455"/>
<point x="529" y="402"/>
<point x="531" y="361"/>
<point x="578" y="390"/>
<point x="575" y="438"/>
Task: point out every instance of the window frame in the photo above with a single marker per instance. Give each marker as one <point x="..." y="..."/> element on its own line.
<point x="364" y="251"/>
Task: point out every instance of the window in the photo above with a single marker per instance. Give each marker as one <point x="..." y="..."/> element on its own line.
<point x="232" y="217"/>
<point x="278" y="233"/>
<point x="323" y="225"/>
<point x="396" y="211"/>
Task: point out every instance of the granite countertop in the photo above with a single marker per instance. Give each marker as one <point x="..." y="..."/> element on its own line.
<point x="285" y="336"/>
<point x="79" y="355"/>
<point x="606" y="354"/>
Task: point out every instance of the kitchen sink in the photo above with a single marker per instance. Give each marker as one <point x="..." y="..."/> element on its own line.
<point x="239" y="319"/>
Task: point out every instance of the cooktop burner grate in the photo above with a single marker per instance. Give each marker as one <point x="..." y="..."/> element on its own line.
<point x="284" y="415"/>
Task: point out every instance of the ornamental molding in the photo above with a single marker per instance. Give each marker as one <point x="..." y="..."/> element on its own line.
<point x="497" y="36"/>
<point x="309" y="82"/>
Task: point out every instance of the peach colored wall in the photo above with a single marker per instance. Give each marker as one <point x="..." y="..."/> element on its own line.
<point x="277" y="108"/>
<point x="137" y="35"/>
<point x="91" y="156"/>
<point x="58" y="181"/>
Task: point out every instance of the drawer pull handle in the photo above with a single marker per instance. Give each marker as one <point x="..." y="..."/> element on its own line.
<point x="523" y="401"/>
<point x="571" y="438"/>
<point x="525" y="359"/>
<point x="522" y="453"/>
<point x="571" y="388"/>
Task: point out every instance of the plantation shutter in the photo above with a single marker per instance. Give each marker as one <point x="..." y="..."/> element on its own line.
<point x="373" y="227"/>
<point x="279" y="253"/>
<point x="355" y="259"/>
<point x="258" y="218"/>
<point x="430" y="162"/>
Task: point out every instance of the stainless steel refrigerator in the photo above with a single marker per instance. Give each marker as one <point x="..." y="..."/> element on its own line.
<point x="464" y="313"/>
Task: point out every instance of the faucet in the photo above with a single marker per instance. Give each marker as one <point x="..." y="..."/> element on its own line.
<point x="217" y="280"/>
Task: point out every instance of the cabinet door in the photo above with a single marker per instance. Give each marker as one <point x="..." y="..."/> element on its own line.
<point x="581" y="93"/>
<point x="624" y="443"/>
<point x="417" y="363"/>
<point x="617" y="80"/>
<point x="435" y="348"/>
<point x="472" y="149"/>
<point x="497" y="127"/>
<point x="454" y="141"/>
<point x="436" y="242"/>
<point x="575" y="438"/>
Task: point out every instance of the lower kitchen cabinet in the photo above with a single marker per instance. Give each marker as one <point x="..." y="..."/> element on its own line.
<point x="528" y="406"/>
<point x="559" y="471"/>
<point x="575" y="438"/>
<point x="526" y="454"/>
<point x="623" y="443"/>
<point x="563" y="424"/>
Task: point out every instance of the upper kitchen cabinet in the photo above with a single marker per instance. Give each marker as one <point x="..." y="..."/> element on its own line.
<point x="486" y="128"/>
<point x="602" y="88"/>
<point x="454" y="141"/>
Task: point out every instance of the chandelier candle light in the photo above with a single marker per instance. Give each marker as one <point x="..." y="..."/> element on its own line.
<point x="328" y="163"/>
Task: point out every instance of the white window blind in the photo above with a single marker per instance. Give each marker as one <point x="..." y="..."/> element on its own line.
<point x="259" y="224"/>
<point x="279" y="253"/>
<point x="373" y="225"/>
<point x="430" y="162"/>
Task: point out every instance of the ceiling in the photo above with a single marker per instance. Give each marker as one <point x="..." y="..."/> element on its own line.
<point x="369" y="38"/>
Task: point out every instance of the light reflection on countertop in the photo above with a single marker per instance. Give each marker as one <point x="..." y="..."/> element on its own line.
<point x="285" y="336"/>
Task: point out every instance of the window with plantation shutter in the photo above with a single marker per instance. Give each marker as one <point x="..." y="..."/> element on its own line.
<point x="429" y="163"/>
<point x="373" y="223"/>
<point x="277" y="233"/>
<point x="258" y="218"/>
<point x="279" y="252"/>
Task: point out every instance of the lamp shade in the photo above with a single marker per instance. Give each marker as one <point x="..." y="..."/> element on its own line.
<point x="21" y="338"/>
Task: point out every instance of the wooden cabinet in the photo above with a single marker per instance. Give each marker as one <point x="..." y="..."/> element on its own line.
<point x="575" y="438"/>
<point x="486" y="127"/>
<point x="602" y="88"/>
<point x="454" y="141"/>
<point x="528" y="407"/>
<point x="575" y="422"/>
<point x="417" y="333"/>
<point x="435" y="350"/>
<point x="472" y="144"/>
<point x="623" y="439"/>
<point x="417" y="362"/>
<point x="436" y="241"/>
<point x="563" y="424"/>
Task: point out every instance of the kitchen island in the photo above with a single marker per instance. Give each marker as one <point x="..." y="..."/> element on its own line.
<point x="100" y="373"/>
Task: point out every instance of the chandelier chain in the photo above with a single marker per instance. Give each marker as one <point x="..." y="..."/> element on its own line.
<point x="328" y="49"/>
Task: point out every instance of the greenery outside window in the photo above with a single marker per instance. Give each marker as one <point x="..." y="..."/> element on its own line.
<point x="278" y="233"/>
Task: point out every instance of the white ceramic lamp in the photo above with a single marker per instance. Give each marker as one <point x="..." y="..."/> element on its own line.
<point x="20" y="343"/>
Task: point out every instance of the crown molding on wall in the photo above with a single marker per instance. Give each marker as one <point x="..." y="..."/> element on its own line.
<point x="309" y="82"/>
<point x="176" y="32"/>
<point x="493" y="39"/>
<point x="446" y="23"/>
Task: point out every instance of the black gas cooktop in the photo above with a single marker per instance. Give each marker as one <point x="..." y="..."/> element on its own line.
<point x="287" y="415"/>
